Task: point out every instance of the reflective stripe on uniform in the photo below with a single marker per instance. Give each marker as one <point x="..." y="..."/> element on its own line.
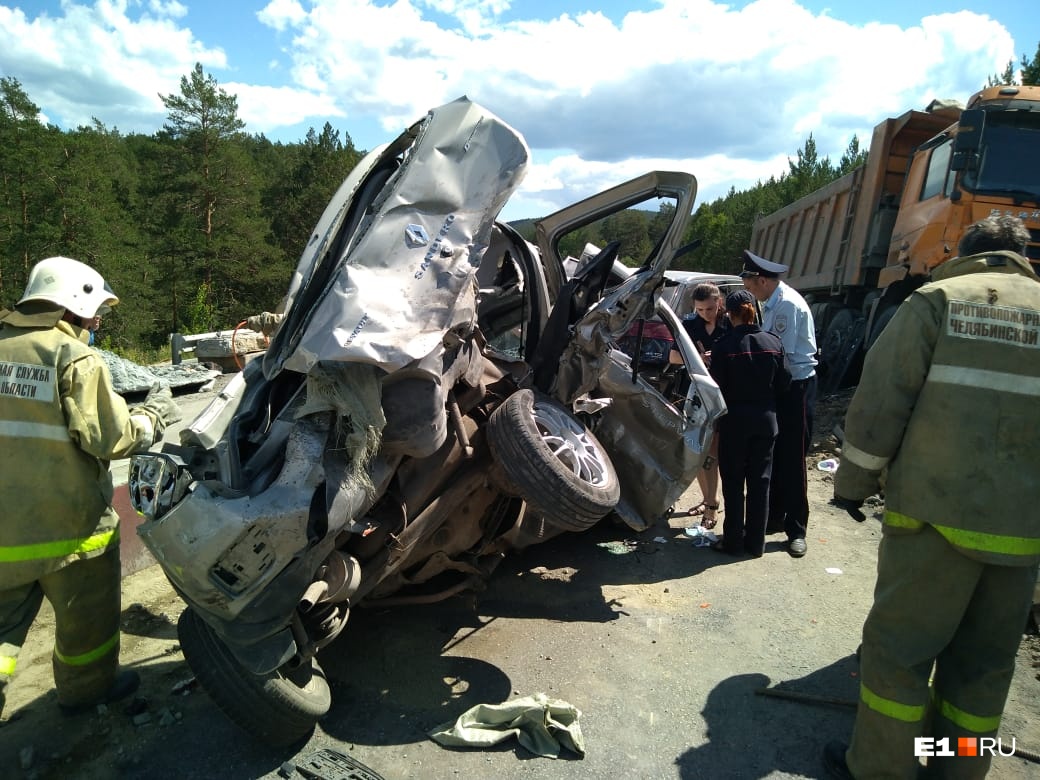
<point x="864" y="460"/>
<point x="908" y="713"/>
<point x="980" y="724"/>
<point x="30" y="430"/>
<point x="90" y="656"/>
<point x="1001" y="544"/>
<point x="985" y="380"/>
<point x="59" y="549"/>
<point x="7" y="664"/>
<point x="901" y="521"/>
<point x="993" y="543"/>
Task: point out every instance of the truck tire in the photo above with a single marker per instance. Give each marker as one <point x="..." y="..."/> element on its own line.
<point x="555" y="463"/>
<point x="277" y="708"/>
<point x="836" y="351"/>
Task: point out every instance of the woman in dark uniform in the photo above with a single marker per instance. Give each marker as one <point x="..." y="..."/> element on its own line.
<point x="751" y="369"/>
<point x="707" y="325"/>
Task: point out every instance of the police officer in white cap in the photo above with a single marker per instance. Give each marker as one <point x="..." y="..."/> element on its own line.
<point x="785" y="313"/>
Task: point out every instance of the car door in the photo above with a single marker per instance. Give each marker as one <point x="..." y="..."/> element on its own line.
<point x="656" y="446"/>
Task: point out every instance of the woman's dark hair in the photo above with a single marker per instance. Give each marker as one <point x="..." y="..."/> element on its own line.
<point x="705" y="291"/>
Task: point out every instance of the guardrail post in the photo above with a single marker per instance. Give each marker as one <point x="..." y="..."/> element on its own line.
<point x="176" y="345"/>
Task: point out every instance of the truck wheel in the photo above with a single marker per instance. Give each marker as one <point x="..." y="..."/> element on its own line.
<point x="838" y="341"/>
<point x="556" y="464"/>
<point x="278" y="708"/>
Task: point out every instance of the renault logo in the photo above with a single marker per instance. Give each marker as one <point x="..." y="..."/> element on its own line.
<point x="416" y="235"/>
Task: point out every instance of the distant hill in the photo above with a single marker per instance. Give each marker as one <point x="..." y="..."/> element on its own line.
<point x="525" y="227"/>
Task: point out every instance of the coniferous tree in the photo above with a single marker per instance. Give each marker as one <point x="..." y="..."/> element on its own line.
<point x="29" y="222"/>
<point x="852" y="158"/>
<point x="211" y="238"/>
<point x="1031" y="69"/>
<point x="95" y="181"/>
<point x="298" y="197"/>
<point x="1008" y="77"/>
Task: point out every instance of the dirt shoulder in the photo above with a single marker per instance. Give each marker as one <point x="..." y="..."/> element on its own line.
<point x="666" y="649"/>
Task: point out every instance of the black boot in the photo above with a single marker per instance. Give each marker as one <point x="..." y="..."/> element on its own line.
<point x="834" y="760"/>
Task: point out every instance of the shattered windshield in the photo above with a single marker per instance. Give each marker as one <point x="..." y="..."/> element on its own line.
<point x="1007" y="160"/>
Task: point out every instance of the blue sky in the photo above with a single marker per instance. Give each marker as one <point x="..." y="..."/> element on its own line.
<point x="601" y="90"/>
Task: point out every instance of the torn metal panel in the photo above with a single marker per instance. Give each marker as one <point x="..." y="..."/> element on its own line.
<point x="656" y="458"/>
<point x="389" y="302"/>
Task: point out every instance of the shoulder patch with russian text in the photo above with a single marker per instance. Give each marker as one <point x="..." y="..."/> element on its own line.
<point x="23" y="380"/>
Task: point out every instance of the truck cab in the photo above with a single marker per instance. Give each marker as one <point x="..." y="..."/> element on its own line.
<point x="858" y="246"/>
<point x="987" y="162"/>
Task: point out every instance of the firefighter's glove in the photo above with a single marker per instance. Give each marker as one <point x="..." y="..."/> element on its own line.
<point x="161" y="405"/>
<point x="850" y="505"/>
<point x="855" y="482"/>
<point x="265" y="322"/>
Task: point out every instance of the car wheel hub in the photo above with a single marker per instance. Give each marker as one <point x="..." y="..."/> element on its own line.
<point x="570" y="444"/>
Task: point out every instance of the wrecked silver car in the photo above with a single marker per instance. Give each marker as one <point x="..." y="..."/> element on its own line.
<point x="438" y="393"/>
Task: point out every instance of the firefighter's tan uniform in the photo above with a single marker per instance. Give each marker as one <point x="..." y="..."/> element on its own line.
<point x="945" y="420"/>
<point x="60" y="424"/>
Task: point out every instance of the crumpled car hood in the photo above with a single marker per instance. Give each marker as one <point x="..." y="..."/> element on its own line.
<point x="360" y="298"/>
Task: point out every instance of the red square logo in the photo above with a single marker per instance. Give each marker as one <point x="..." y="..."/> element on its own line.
<point x="967" y="746"/>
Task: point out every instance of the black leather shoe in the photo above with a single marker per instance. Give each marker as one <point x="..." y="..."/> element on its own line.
<point x="796" y="548"/>
<point x="127" y="681"/>
<point x="834" y="760"/>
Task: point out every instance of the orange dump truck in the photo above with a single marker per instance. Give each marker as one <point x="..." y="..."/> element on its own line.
<point x="860" y="245"/>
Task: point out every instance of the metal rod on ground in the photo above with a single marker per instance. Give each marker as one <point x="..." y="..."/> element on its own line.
<point x="1028" y="755"/>
<point x="807" y="698"/>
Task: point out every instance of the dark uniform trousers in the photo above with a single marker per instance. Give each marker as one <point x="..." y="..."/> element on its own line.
<point x="934" y="602"/>
<point x="788" y="497"/>
<point x="746" y="436"/>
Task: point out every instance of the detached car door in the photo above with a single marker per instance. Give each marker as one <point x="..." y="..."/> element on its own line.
<point x="656" y="446"/>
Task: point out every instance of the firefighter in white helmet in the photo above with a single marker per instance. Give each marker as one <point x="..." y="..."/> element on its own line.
<point x="61" y="422"/>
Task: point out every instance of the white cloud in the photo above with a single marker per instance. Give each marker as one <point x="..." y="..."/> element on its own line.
<point x="97" y="62"/>
<point x="474" y="16"/>
<point x="553" y="182"/>
<point x="694" y="85"/>
<point x="282" y="14"/>
<point x="171" y="8"/>
<point x="687" y="79"/>
<point x="271" y="108"/>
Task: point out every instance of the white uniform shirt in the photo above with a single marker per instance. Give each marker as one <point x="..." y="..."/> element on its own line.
<point x="786" y="314"/>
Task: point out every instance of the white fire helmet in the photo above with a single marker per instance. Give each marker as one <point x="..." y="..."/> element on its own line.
<point x="71" y="284"/>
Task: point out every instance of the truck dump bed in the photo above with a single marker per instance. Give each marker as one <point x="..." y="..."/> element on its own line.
<point x="840" y="235"/>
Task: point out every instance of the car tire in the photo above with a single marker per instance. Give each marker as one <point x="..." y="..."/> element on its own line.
<point x="279" y="707"/>
<point x="555" y="463"/>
